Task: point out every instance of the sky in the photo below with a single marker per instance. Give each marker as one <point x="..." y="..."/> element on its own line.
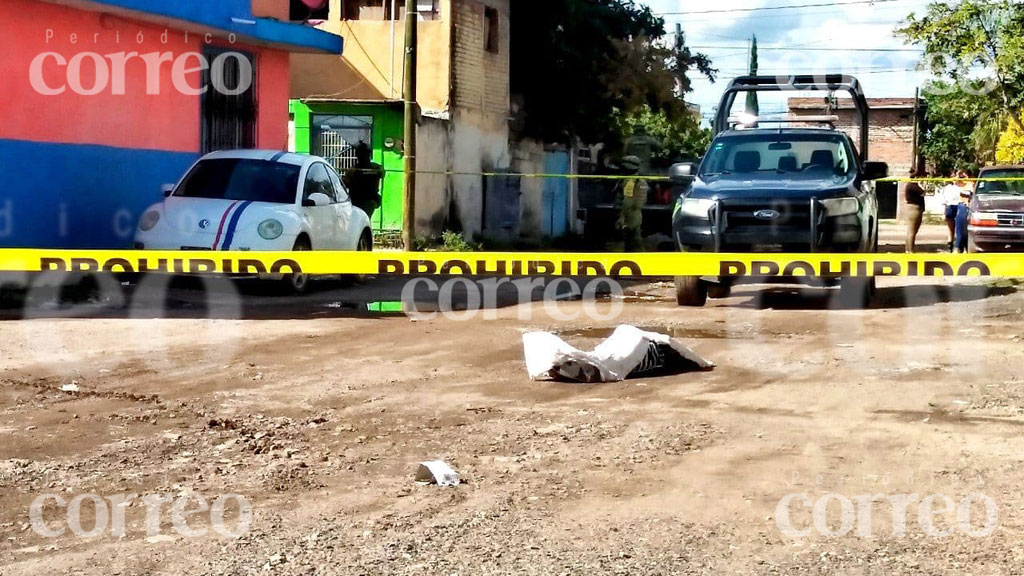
<point x="789" y="41"/>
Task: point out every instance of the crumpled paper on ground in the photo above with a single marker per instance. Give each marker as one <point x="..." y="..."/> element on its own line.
<point x="437" y="472"/>
<point x="629" y="351"/>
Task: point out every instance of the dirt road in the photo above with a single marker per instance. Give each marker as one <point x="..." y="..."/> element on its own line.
<point x="319" y="419"/>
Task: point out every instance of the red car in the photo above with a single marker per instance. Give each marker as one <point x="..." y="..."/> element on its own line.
<point x="997" y="212"/>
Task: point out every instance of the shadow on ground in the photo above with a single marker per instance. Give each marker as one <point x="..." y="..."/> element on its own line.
<point x="181" y="297"/>
<point x="886" y="298"/>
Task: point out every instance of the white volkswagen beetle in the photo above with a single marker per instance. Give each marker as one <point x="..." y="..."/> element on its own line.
<point x="256" y="200"/>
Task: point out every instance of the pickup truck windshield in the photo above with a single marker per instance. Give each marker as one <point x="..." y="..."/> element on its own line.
<point x="1012" y="187"/>
<point x="815" y="155"/>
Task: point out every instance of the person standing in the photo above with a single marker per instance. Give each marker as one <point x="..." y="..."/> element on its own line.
<point x="363" y="181"/>
<point x="644" y="147"/>
<point x="963" y="215"/>
<point x="913" y="208"/>
<point x="950" y="196"/>
<point x="631" y="197"/>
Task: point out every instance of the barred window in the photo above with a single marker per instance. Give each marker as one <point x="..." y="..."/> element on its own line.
<point x="229" y="120"/>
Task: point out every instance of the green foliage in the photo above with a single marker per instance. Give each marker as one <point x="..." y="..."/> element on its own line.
<point x="449" y="241"/>
<point x="1010" y="149"/>
<point x="968" y="40"/>
<point x="753" y="106"/>
<point x="963" y="129"/>
<point x="681" y="138"/>
<point x="579" y="64"/>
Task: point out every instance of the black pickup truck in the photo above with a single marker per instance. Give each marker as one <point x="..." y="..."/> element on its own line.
<point x="783" y="185"/>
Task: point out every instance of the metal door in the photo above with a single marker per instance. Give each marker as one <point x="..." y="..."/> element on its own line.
<point x="555" y="195"/>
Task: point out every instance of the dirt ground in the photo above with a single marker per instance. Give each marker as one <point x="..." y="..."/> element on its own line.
<point x="318" y="410"/>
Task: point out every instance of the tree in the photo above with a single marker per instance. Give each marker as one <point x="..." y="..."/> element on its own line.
<point x="1010" y="149"/>
<point x="753" y="107"/>
<point x="968" y="40"/>
<point x="681" y="138"/>
<point x="579" y="66"/>
<point x="962" y="128"/>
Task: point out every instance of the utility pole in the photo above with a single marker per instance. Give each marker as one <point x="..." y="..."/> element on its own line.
<point x="411" y="120"/>
<point x="915" y="163"/>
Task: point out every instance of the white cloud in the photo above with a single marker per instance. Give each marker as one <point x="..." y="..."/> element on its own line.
<point x="723" y="37"/>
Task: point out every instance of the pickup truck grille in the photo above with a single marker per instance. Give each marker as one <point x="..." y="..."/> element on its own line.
<point x="765" y="226"/>
<point x="1011" y="220"/>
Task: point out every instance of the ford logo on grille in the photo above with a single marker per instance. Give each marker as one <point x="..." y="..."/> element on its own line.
<point x="766" y="215"/>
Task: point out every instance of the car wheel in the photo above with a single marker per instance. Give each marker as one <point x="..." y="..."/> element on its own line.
<point x="855" y="293"/>
<point x="298" y="283"/>
<point x="365" y="243"/>
<point x="691" y="291"/>
<point x="719" y="291"/>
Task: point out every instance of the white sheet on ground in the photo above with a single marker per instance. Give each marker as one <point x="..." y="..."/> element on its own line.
<point x="611" y="361"/>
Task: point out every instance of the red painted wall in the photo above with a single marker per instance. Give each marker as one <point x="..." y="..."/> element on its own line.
<point x="166" y="121"/>
<point x="274" y="90"/>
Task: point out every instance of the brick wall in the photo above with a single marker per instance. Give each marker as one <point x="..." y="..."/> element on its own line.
<point x="480" y="77"/>
<point x="891" y="132"/>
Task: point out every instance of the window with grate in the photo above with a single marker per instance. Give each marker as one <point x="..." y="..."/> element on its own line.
<point x="388" y="9"/>
<point x="493" y="31"/>
<point x="228" y="114"/>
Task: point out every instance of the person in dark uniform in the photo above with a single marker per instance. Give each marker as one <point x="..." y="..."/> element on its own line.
<point x="363" y="181"/>
<point x="631" y="197"/>
<point x="913" y="208"/>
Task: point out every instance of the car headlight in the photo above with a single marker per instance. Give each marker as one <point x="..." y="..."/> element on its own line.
<point x="841" y="206"/>
<point x="270" y="229"/>
<point x="695" y="207"/>
<point x="988" y="219"/>
<point x="149" y="220"/>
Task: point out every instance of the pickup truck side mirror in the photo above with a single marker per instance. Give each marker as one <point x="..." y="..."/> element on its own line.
<point x="875" y="170"/>
<point x="682" y="173"/>
<point x="167" y="190"/>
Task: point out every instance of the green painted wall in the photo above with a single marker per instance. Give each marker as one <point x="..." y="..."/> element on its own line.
<point x="387" y="123"/>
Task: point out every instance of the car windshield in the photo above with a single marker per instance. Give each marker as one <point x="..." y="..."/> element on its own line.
<point x="242" y="179"/>
<point x="815" y="155"/>
<point x="1015" y="188"/>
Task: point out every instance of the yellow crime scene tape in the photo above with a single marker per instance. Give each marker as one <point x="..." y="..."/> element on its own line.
<point x="513" y="264"/>
<point x="898" y="179"/>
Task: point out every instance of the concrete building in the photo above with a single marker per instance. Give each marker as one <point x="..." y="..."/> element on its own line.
<point x="463" y="92"/>
<point x="106" y="100"/>
<point x="891" y="129"/>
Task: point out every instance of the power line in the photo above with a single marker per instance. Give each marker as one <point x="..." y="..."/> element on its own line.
<point x="687" y="18"/>
<point x="810" y="49"/>
<point x="767" y="8"/>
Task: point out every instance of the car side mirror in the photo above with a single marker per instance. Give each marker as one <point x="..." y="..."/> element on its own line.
<point x="317" y="199"/>
<point x="682" y="173"/>
<point x="875" y="170"/>
<point x="167" y="190"/>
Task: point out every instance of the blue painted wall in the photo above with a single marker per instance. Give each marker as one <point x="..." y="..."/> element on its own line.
<point x="79" y="196"/>
<point x="218" y="14"/>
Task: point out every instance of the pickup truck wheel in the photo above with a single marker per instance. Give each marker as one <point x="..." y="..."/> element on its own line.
<point x="856" y="293"/>
<point x="691" y="291"/>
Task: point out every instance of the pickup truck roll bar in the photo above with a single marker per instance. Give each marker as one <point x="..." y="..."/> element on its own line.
<point x="820" y="82"/>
